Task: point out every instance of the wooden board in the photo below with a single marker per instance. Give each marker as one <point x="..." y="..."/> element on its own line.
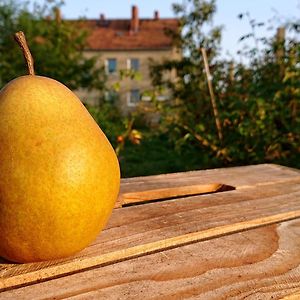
<point x="144" y="224"/>
<point x="170" y="193"/>
<point x="140" y="189"/>
<point x="265" y="194"/>
<point x="294" y="296"/>
<point x="262" y="263"/>
<point x="253" y="175"/>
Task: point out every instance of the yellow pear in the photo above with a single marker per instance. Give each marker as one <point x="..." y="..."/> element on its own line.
<point x="59" y="175"/>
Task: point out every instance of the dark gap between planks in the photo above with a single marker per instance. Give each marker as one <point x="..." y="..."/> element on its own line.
<point x="222" y="188"/>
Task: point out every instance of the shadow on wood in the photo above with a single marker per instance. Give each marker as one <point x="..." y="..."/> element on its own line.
<point x="157" y="195"/>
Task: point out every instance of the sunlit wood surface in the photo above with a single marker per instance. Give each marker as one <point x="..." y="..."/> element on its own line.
<point x="235" y="235"/>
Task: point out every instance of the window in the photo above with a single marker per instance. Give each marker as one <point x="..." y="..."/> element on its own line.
<point x="162" y="98"/>
<point x="111" y="96"/>
<point x="111" y="65"/>
<point x="134" y="64"/>
<point x="146" y="98"/>
<point x="133" y="97"/>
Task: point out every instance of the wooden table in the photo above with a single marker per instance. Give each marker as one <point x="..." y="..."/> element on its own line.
<point x="239" y="240"/>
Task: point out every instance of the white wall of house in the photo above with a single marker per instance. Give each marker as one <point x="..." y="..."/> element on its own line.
<point x="128" y="88"/>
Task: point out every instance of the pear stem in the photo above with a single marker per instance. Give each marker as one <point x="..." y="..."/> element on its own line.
<point x="21" y="40"/>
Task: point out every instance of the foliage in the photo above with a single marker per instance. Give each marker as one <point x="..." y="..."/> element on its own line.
<point x="258" y="102"/>
<point x="156" y="155"/>
<point x="120" y="130"/>
<point x="109" y="119"/>
<point x="188" y="118"/>
<point x="266" y="95"/>
<point x="57" y="46"/>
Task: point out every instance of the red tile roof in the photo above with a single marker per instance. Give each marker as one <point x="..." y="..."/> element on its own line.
<point x="116" y="34"/>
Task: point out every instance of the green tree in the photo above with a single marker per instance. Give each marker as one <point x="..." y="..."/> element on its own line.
<point x="188" y="117"/>
<point x="57" y="45"/>
<point x="266" y="93"/>
<point x="258" y="101"/>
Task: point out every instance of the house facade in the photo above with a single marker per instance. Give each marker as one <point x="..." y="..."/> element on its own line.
<point x="126" y="46"/>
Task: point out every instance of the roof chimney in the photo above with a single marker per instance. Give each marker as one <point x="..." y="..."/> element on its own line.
<point x="57" y="14"/>
<point x="102" y="17"/>
<point x="156" y="15"/>
<point x="134" y="25"/>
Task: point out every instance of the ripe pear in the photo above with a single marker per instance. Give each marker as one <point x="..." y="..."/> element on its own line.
<point x="59" y="175"/>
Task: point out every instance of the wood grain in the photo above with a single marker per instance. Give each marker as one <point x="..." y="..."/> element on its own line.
<point x="159" y="221"/>
<point x="168" y="193"/>
<point x="236" y="176"/>
<point x="141" y="250"/>
<point x="239" y="177"/>
<point x="262" y="263"/>
<point x="294" y="296"/>
<point x="265" y="194"/>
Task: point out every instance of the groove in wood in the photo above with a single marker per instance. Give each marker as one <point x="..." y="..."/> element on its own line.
<point x="141" y="250"/>
<point x="261" y="263"/>
<point x="170" y="193"/>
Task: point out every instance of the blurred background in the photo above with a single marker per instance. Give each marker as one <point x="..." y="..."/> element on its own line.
<point x="176" y="85"/>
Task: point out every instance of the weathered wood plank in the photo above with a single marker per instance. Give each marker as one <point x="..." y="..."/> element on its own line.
<point x="137" y="225"/>
<point x="141" y="189"/>
<point x="262" y="263"/>
<point x="126" y="216"/>
<point x="142" y="250"/>
<point x="294" y="296"/>
<point x="167" y="193"/>
<point x="236" y="176"/>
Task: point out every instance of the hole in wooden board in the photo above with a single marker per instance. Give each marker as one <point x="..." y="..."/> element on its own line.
<point x="163" y="194"/>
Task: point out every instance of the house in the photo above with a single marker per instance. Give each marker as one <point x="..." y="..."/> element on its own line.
<point x="127" y="45"/>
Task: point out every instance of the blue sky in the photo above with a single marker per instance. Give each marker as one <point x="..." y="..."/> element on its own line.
<point x="227" y="11"/>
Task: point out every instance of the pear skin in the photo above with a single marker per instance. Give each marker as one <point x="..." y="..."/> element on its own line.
<point x="59" y="175"/>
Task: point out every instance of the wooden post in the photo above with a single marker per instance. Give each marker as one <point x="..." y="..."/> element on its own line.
<point x="280" y="51"/>
<point x="212" y="95"/>
<point x="231" y="72"/>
